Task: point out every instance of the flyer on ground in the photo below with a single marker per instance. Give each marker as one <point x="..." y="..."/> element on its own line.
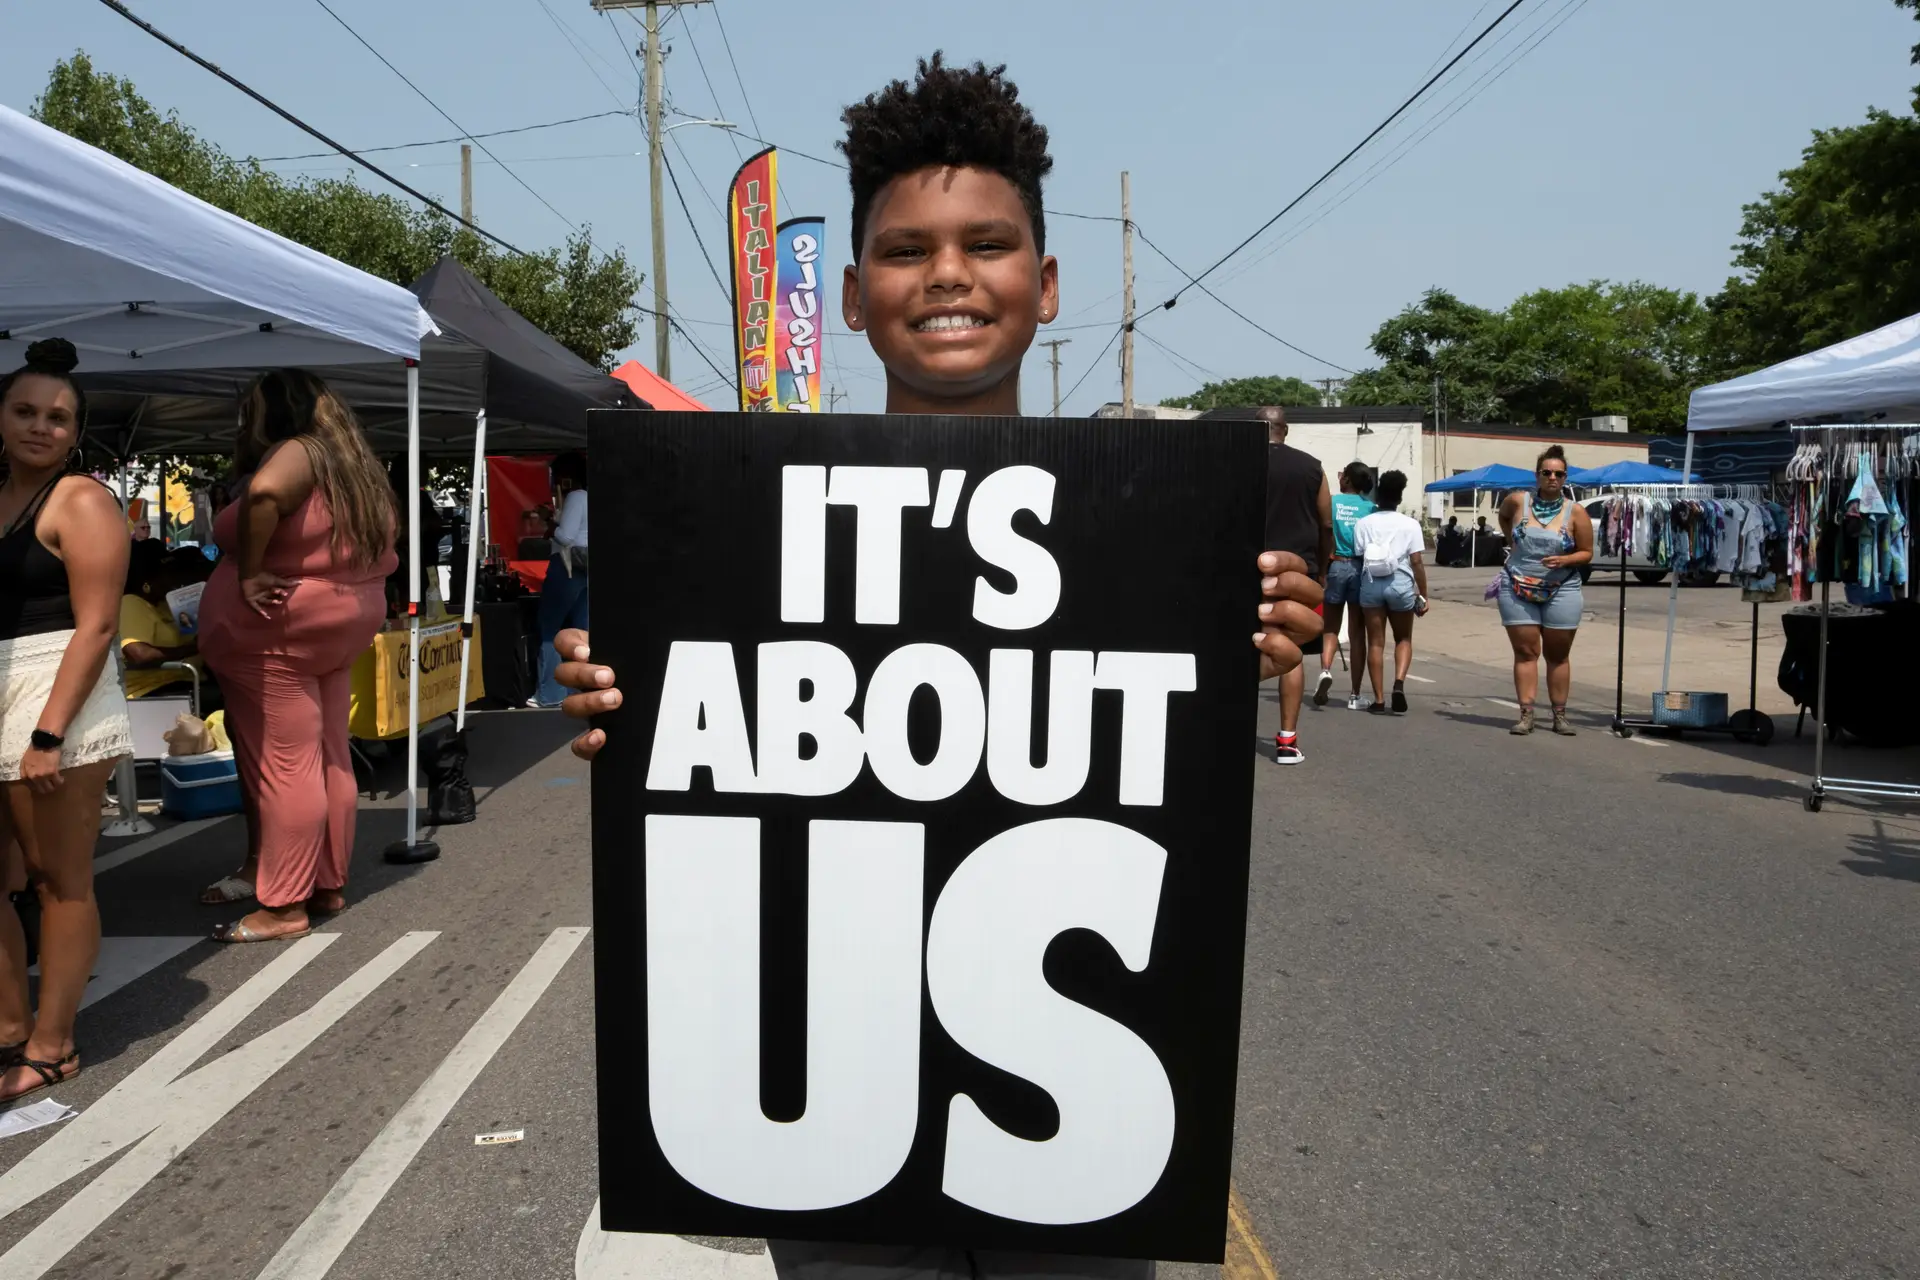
<point x="920" y="838"/>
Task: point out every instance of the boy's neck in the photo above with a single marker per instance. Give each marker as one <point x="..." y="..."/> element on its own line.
<point x="1000" y="401"/>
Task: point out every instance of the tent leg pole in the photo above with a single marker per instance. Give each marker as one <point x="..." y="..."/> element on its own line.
<point x="1620" y="655"/>
<point x="473" y="523"/>
<point x="1820" y="698"/>
<point x="413" y="849"/>
<point x="1673" y="588"/>
<point x="129" y="823"/>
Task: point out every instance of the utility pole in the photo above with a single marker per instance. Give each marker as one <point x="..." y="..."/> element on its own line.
<point x="1054" y="345"/>
<point x="656" y="74"/>
<point x="834" y="396"/>
<point x="1126" y="265"/>
<point x="466" y="181"/>
<point x="1439" y="430"/>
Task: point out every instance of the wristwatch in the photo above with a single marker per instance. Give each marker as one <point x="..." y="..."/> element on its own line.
<point x="44" y="741"/>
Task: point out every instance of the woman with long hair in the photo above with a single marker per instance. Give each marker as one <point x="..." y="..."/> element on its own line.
<point x="1549" y="538"/>
<point x="1393" y="588"/>
<point x="300" y="593"/>
<point x="1350" y="505"/>
<point x="63" y="718"/>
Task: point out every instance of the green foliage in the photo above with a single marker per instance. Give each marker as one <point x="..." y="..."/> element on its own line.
<point x="1248" y="393"/>
<point x="583" y="299"/>
<point x="1833" y="253"/>
<point x="1915" y="6"/>
<point x="1551" y="358"/>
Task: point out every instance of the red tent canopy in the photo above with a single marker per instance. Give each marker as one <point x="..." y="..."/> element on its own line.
<point x="655" y="390"/>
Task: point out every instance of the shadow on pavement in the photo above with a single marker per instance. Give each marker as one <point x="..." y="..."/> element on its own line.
<point x="1739" y="784"/>
<point x="1884" y="857"/>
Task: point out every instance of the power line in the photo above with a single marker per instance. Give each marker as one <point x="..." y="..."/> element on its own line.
<point x="1192" y="368"/>
<point x="737" y="77"/>
<point x="580" y="50"/>
<point x="711" y="91"/>
<point x="1341" y="163"/>
<point x="303" y="126"/>
<point x="443" y="114"/>
<point x="695" y="227"/>
<point x="1231" y="308"/>
<point x="1095" y="365"/>
<point x="441" y="142"/>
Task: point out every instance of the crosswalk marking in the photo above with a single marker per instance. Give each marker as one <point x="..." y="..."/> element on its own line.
<point x="1420" y="679"/>
<point x="123" y="959"/>
<point x="158" y="840"/>
<point x="164" y="1111"/>
<point x="1502" y="702"/>
<point x="311" y="1251"/>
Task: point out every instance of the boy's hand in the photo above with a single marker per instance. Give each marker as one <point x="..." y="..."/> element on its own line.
<point x="596" y="685"/>
<point x="1287" y="618"/>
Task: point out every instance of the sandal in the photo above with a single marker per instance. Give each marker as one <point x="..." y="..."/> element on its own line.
<point x="51" y="1074"/>
<point x="224" y="890"/>
<point x="315" y="911"/>
<point x="241" y="931"/>
<point x="12" y="1055"/>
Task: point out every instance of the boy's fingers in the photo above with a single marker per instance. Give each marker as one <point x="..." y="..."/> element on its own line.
<point x="1291" y="584"/>
<point x="1278" y="654"/>
<point x="571" y="645"/>
<point x="583" y="675"/>
<point x="1297" y="622"/>
<point x="1278" y="562"/>
<point x="588" y="744"/>
<point x="583" y="706"/>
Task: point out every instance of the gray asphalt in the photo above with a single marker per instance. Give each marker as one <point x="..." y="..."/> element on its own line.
<point x="1523" y="1008"/>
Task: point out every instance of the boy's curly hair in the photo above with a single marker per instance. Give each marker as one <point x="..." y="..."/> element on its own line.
<point x="969" y="116"/>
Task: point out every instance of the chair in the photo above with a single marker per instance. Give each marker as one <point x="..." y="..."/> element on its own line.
<point x="150" y="719"/>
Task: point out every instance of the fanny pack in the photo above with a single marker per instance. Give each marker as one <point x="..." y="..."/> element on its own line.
<point x="1378" y="563"/>
<point x="1530" y="589"/>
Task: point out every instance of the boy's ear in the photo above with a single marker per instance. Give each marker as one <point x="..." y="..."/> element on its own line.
<point x="850" y="300"/>
<point x="1049" y="289"/>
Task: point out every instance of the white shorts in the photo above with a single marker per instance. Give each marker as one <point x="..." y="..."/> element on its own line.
<point x="27" y="667"/>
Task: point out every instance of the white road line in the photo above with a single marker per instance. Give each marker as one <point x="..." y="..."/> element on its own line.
<point x="1420" y="679"/>
<point x="164" y="1112"/>
<point x="123" y="959"/>
<point x="1502" y="702"/>
<point x="1646" y="741"/>
<point x="312" y="1250"/>
<point x="158" y="840"/>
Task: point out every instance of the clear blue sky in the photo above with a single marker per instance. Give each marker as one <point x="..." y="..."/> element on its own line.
<point x="1622" y="146"/>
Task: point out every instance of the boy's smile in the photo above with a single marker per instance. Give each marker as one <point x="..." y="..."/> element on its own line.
<point x="950" y="290"/>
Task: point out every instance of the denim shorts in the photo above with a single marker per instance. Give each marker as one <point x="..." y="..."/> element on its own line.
<point x="1560" y="613"/>
<point x="1343" y="581"/>
<point x="1395" y="594"/>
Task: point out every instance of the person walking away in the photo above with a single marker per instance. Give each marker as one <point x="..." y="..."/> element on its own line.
<point x="63" y="717"/>
<point x="1342" y="584"/>
<point x="300" y="595"/>
<point x="1549" y="538"/>
<point x="1393" y="587"/>
<point x="563" y="596"/>
<point x="1299" y="520"/>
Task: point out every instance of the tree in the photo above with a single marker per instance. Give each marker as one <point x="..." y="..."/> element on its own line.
<point x="581" y="297"/>
<point x="1247" y="393"/>
<point x="1915" y="6"/>
<point x="1440" y="335"/>
<point x="1603" y="348"/>
<point x="1833" y="253"/>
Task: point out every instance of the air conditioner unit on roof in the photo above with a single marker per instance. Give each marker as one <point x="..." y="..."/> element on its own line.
<point x="1612" y="422"/>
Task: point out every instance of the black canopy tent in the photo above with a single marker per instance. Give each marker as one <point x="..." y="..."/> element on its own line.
<point x="491" y="380"/>
<point x="487" y="357"/>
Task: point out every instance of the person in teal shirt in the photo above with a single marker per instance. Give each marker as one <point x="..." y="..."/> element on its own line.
<point x="1343" y="583"/>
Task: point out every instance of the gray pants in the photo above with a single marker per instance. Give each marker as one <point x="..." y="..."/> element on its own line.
<point x="806" y="1260"/>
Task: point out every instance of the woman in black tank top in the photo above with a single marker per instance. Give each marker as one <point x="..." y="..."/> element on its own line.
<point x="63" y="718"/>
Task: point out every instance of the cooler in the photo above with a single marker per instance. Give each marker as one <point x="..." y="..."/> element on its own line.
<point x="205" y="786"/>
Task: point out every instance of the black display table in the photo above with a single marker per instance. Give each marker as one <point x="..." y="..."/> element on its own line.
<point x="509" y="637"/>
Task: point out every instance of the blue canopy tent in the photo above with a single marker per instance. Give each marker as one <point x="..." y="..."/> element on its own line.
<point x="1629" y="473"/>
<point x="1494" y="475"/>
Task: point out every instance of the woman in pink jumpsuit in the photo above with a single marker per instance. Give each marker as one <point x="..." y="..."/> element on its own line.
<point x="299" y="595"/>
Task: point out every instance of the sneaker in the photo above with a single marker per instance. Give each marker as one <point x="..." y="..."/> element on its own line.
<point x="1562" y="726"/>
<point x="1525" y="726"/>
<point x="1287" y="752"/>
<point x="1399" y="701"/>
<point x="1320" y="692"/>
<point x="1379" y="709"/>
<point x="1354" y="703"/>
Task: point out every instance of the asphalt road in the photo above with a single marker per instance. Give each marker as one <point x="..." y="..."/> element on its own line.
<point x="1527" y="1008"/>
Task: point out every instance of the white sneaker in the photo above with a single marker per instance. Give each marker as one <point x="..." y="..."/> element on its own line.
<point x="1320" y="690"/>
<point x="1354" y="703"/>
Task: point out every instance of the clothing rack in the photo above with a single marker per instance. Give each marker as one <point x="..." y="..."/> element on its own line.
<point x="1830" y="439"/>
<point x="1744" y="726"/>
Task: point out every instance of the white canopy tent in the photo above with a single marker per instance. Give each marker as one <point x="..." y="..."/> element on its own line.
<point x="139" y="275"/>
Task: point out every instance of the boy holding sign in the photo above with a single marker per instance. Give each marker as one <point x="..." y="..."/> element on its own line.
<point x="950" y="283"/>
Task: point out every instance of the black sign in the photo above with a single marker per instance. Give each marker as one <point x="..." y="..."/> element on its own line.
<point x="920" y="840"/>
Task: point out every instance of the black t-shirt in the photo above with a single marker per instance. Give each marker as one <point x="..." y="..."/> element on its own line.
<point x="1294" y="477"/>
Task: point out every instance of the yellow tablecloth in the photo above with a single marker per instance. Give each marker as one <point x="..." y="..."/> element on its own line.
<point x="380" y="679"/>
